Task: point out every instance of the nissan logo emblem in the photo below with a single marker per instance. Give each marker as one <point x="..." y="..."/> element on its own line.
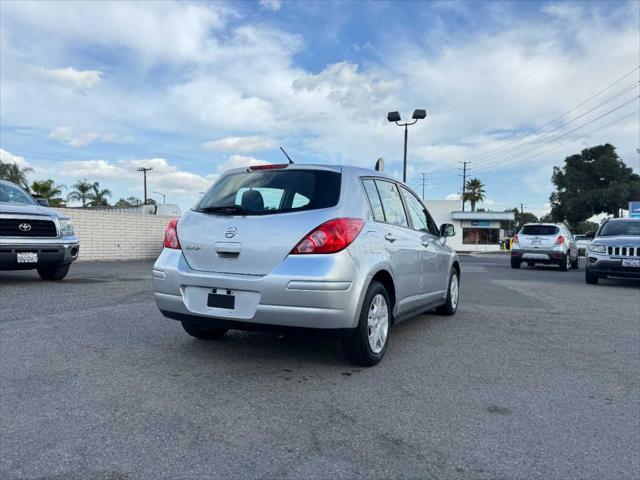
<point x="230" y="232"/>
<point x="24" y="227"/>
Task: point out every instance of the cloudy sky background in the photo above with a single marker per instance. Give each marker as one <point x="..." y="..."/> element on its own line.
<point x="96" y="89"/>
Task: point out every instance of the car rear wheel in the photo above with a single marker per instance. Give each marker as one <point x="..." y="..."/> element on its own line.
<point x="453" y="295"/>
<point x="589" y="277"/>
<point x="531" y="264"/>
<point x="565" y="263"/>
<point x="53" y="272"/>
<point x="575" y="263"/>
<point x="515" y="263"/>
<point x="368" y="343"/>
<point x="203" y="333"/>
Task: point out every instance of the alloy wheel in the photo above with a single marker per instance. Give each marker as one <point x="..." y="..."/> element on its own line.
<point x="378" y="323"/>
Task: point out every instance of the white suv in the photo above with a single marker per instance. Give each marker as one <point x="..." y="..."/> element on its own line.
<point x="545" y="243"/>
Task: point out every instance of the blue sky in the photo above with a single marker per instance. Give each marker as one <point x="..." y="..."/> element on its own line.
<point x="95" y="89"/>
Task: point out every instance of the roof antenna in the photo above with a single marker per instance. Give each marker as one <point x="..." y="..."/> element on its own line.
<point x="285" y="154"/>
<point x="380" y="164"/>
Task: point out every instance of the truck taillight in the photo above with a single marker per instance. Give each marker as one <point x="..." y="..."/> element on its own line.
<point x="560" y="240"/>
<point x="330" y="237"/>
<point x="171" y="235"/>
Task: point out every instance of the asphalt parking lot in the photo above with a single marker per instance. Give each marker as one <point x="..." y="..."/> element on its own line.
<point x="537" y="376"/>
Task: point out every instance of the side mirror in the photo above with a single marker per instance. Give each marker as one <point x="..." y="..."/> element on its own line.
<point x="43" y="202"/>
<point x="590" y="235"/>
<point x="447" y="230"/>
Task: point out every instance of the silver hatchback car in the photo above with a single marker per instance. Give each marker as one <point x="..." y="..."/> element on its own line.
<point x="336" y="249"/>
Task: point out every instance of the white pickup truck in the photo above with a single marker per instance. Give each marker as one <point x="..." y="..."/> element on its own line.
<point x="33" y="236"/>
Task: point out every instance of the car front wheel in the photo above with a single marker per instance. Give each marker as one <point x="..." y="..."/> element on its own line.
<point x="589" y="277"/>
<point x="368" y="343"/>
<point x="453" y="295"/>
<point x="53" y="272"/>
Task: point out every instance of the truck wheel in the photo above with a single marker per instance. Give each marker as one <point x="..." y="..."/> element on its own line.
<point x="515" y="263"/>
<point x="53" y="272"/>
<point x="368" y="343"/>
<point x="589" y="277"/>
<point x="203" y="333"/>
<point x="453" y="295"/>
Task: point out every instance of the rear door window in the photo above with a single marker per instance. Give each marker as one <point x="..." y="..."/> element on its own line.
<point x="392" y="203"/>
<point x="539" y="230"/>
<point x="265" y="192"/>
<point x="416" y="211"/>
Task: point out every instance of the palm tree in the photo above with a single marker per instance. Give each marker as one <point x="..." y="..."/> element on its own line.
<point x="81" y="192"/>
<point x="474" y="192"/>
<point x="48" y="190"/>
<point x="99" y="197"/>
<point x="13" y="173"/>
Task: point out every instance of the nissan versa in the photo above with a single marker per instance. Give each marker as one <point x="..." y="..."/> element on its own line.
<point x="339" y="249"/>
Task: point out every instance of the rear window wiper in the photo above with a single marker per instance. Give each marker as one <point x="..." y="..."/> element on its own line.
<point x="224" y="209"/>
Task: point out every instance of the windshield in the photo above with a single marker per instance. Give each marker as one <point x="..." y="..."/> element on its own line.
<point x="264" y="192"/>
<point x="539" y="230"/>
<point x="622" y="227"/>
<point x="13" y="194"/>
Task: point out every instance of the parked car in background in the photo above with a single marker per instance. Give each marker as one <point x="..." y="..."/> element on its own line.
<point x="339" y="249"/>
<point x="614" y="250"/>
<point x="583" y="241"/>
<point x="33" y="236"/>
<point x="544" y="243"/>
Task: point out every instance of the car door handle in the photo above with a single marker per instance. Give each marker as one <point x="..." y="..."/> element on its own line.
<point x="389" y="237"/>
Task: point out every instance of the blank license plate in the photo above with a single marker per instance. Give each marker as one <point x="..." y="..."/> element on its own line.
<point x="630" y="262"/>
<point x="27" y="257"/>
<point x="220" y="300"/>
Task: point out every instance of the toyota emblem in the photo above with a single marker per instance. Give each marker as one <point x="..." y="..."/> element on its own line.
<point x="24" y="227"/>
<point x="230" y="232"/>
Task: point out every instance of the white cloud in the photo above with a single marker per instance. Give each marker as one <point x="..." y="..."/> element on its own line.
<point x="8" y="157"/>
<point x="453" y="196"/>
<point x="273" y="5"/>
<point x="238" y="161"/>
<point x="241" y="144"/>
<point x="70" y="137"/>
<point x="69" y="77"/>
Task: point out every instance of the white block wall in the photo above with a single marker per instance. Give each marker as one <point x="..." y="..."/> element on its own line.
<point x="106" y="235"/>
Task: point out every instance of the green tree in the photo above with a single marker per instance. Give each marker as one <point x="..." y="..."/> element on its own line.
<point x="13" y="173"/>
<point x="97" y="197"/>
<point x="592" y="182"/>
<point x="474" y="192"/>
<point x="128" y="202"/>
<point x="81" y="192"/>
<point x="523" y="217"/>
<point x="48" y="190"/>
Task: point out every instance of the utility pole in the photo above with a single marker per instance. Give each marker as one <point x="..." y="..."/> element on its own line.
<point x="144" y="171"/>
<point x="464" y="181"/>
<point x="424" y="182"/>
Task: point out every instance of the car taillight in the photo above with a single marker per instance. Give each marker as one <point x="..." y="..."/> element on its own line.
<point x="330" y="237"/>
<point x="515" y="239"/>
<point x="269" y="166"/>
<point x="560" y="240"/>
<point x="171" y="235"/>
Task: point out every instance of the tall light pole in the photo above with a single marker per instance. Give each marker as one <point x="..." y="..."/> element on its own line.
<point x="144" y="170"/>
<point x="394" y="117"/>
<point x="164" y="197"/>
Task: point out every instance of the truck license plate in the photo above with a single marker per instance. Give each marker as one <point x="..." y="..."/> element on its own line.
<point x="631" y="262"/>
<point x="27" y="257"/>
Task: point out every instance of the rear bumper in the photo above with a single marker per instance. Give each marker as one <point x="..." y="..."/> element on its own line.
<point x="319" y="292"/>
<point x="606" y="266"/>
<point x="538" y="256"/>
<point x="51" y="252"/>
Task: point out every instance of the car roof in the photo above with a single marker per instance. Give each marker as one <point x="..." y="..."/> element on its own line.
<point x="625" y="219"/>
<point x="543" y="224"/>
<point x="344" y="169"/>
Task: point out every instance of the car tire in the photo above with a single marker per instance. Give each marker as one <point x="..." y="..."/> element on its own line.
<point x="53" y="273"/>
<point x="575" y="264"/>
<point x="565" y="263"/>
<point x="358" y="346"/>
<point x="453" y="295"/>
<point x="515" y="263"/>
<point x="203" y="333"/>
<point x="590" y="278"/>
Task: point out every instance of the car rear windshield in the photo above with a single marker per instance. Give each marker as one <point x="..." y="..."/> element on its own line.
<point x="539" y="230"/>
<point x="625" y="227"/>
<point x="266" y="192"/>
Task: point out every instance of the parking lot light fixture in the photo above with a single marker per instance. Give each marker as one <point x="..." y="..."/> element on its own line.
<point x="394" y="117"/>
